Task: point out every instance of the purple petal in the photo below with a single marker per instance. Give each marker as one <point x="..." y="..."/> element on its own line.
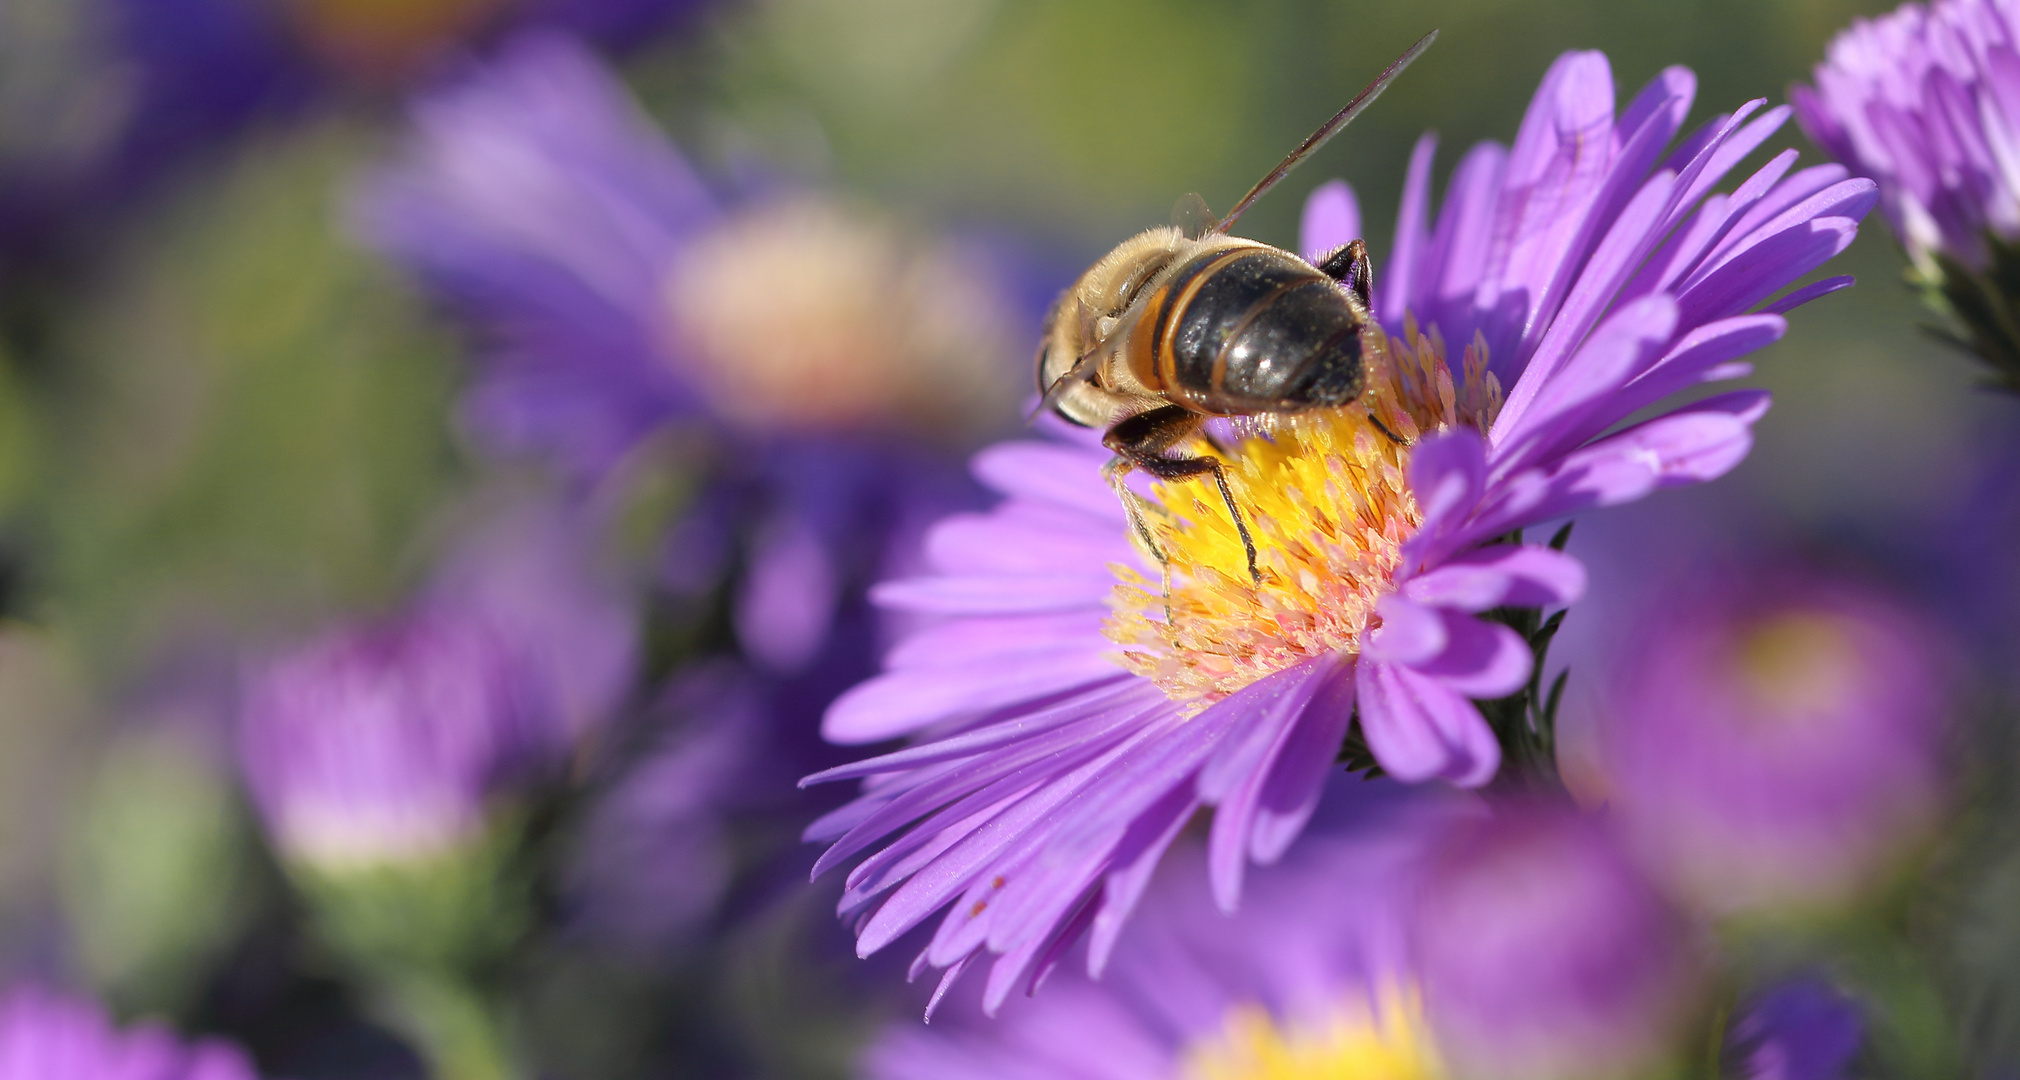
<point x="1685" y="447"/>
<point x="962" y="641"/>
<point x="1509" y="575"/>
<point x="1555" y="171"/>
<point x="1726" y="151"/>
<point x="899" y="702"/>
<point x="1419" y="728"/>
<point x="1574" y="404"/>
<point x="1136" y="860"/>
<point x="1700" y="356"/>
<point x="1291" y="794"/>
<point x="1332" y="219"/>
<point x="1410" y="633"/>
<point x="1808" y="293"/>
<point x="1412" y="236"/>
<point x="999" y="594"/>
<point x="1232" y="780"/>
<point x="1624" y="247"/>
<point x="1484" y="660"/>
<point x="1266" y="707"/>
<point x="1057" y="473"/>
<point x="788" y="597"/>
<point x="1714" y="219"/>
<point x="1114" y="696"/>
<point x="1459" y="252"/>
<point x="1764" y="268"/>
<point x="1448" y="473"/>
<point x="1027" y="538"/>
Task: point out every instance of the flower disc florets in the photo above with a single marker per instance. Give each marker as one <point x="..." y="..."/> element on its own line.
<point x="1328" y="504"/>
<point x="1384" y="1039"/>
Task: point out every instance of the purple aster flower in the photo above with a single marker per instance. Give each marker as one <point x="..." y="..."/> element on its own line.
<point x="1080" y="711"/>
<point x="1774" y="735"/>
<point x="820" y="349"/>
<point x="380" y="744"/>
<point x="45" y="1036"/>
<point x="1543" y="952"/>
<point x="1800" y="1030"/>
<point x="1926" y="100"/>
<point x="1311" y="975"/>
<point x="615" y="294"/>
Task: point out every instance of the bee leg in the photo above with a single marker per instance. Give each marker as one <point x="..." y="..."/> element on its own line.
<point x="1351" y="267"/>
<point x="1114" y="472"/>
<point x="1384" y="429"/>
<point x="1187" y="468"/>
<point x="1141" y="441"/>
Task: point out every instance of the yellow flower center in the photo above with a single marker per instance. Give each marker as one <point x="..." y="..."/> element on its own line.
<point x="1327" y="502"/>
<point x="1387" y="1041"/>
<point x="1799" y="664"/>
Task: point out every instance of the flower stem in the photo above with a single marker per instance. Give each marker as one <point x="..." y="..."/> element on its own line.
<point x="462" y="1036"/>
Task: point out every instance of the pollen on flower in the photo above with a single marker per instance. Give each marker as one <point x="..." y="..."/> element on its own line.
<point x="1384" y="1040"/>
<point x="1327" y="501"/>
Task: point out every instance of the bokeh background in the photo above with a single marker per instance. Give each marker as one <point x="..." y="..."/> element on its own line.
<point x="228" y="421"/>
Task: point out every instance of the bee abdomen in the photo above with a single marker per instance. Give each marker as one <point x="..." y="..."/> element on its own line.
<point x="1256" y="330"/>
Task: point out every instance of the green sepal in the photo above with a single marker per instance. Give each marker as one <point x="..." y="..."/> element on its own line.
<point x="1981" y="306"/>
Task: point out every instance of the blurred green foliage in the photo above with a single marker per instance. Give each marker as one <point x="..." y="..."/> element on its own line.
<point x="155" y="877"/>
<point x="251" y="419"/>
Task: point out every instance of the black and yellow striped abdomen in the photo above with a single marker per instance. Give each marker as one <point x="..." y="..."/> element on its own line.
<point x="1250" y="329"/>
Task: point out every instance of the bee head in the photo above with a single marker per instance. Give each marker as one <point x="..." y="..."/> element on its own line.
<point x="1087" y="322"/>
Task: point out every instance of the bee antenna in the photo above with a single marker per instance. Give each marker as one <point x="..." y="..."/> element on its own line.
<point x="1327" y="130"/>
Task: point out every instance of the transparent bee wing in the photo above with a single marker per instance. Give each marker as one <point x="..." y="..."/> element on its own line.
<point x="1191" y="217"/>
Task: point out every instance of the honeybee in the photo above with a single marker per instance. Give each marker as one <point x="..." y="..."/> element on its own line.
<point x="1178" y="325"/>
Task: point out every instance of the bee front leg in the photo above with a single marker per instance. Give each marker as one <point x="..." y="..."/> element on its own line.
<point x="1114" y="472"/>
<point x="1141" y="441"/>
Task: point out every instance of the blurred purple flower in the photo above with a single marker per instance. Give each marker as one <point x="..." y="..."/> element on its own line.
<point x="531" y="572"/>
<point x="1544" y="953"/>
<point x="1587" y="270"/>
<point x="46" y="1036"/>
<point x="613" y="294"/>
<point x="1773" y="738"/>
<point x="613" y="298"/>
<point x="537" y="200"/>
<point x="158" y="83"/>
<point x="1799" y="1030"/>
<point x="381" y="744"/>
<point x="200" y="70"/>
<point x="654" y="857"/>
<point x="1926" y="100"/>
<point x="1313" y="968"/>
